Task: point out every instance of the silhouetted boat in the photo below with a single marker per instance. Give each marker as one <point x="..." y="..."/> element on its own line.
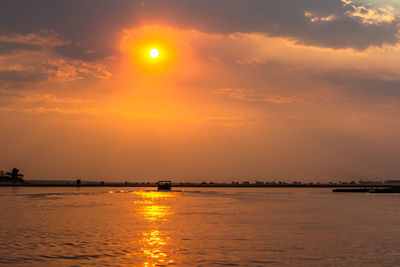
<point x="164" y="185"/>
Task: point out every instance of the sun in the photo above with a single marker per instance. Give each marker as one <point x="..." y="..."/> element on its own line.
<point x="154" y="53"/>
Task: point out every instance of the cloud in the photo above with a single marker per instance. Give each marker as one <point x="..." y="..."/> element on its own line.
<point x="40" y="110"/>
<point x="250" y="61"/>
<point x="251" y="96"/>
<point x="26" y="101"/>
<point x="16" y="42"/>
<point x="43" y="38"/>
<point x="331" y="23"/>
<point x="21" y="76"/>
<point x="238" y="120"/>
<point x="59" y="70"/>
<point x="28" y="58"/>
<point x="369" y="14"/>
<point x="314" y="18"/>
<point x="356" y="83"/>
<point x="23" y="97"/>
<point x="70" y="70"/>
<point x="38" y="65"/>
<point x="33" y="102"/>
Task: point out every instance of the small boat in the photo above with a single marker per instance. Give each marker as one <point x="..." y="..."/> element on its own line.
<point x="164" y="185"/>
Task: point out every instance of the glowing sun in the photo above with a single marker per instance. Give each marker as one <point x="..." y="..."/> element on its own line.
<point x="154" y="53"/>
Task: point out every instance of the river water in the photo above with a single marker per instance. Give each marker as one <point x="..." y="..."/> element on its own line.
<point x="197" y="227"/>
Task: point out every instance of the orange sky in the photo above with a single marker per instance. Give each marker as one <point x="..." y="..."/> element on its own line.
<point x="222" y="102"/>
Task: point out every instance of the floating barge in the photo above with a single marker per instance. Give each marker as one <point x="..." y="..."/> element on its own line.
<point x="391" y="190"/>
<point x="352" y="190"/>
<point x="375" y="190"/>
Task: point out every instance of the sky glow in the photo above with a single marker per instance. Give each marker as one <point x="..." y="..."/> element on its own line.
<point x="191" y="90"/>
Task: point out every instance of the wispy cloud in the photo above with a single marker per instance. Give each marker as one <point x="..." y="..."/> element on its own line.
<point x="251" y="96"/>
<point x="70" y="70"/>
<point x="250" y="61"/>
<point x="35" y="97"/>
<point x="76" y="111"/>
<point x="43" y="38"/>
<point x="44" y="103"/>
<point x="237" y="120"/>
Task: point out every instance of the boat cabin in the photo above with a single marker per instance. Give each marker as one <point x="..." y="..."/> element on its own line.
<point x="164" y="185"/>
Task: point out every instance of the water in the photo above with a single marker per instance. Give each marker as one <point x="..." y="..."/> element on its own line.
<point x="197" y="227"/>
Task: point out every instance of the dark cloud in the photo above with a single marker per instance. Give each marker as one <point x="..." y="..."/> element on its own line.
<point x="94" y="25"/>
<point x="279" y="18"/>
<point x="89" y="25"/>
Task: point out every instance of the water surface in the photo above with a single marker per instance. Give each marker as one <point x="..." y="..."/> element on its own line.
<point x="197" y="227"/>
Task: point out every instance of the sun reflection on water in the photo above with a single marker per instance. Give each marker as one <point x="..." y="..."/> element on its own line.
<point x="154" y="207"/>
<point x="153" y="249"/>
<point x="155" y="194"/>
<point x="156" y="213"/>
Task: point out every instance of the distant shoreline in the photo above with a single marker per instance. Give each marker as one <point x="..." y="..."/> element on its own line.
<point x="204" y="185"/>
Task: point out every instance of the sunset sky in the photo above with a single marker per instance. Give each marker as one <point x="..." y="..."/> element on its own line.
<point x="241" y="90"/>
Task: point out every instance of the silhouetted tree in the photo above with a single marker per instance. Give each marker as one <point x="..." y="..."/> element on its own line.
<point x="15" y="175"/>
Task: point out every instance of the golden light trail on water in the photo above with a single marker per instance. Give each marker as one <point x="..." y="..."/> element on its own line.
<point x="154" y="208"/>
